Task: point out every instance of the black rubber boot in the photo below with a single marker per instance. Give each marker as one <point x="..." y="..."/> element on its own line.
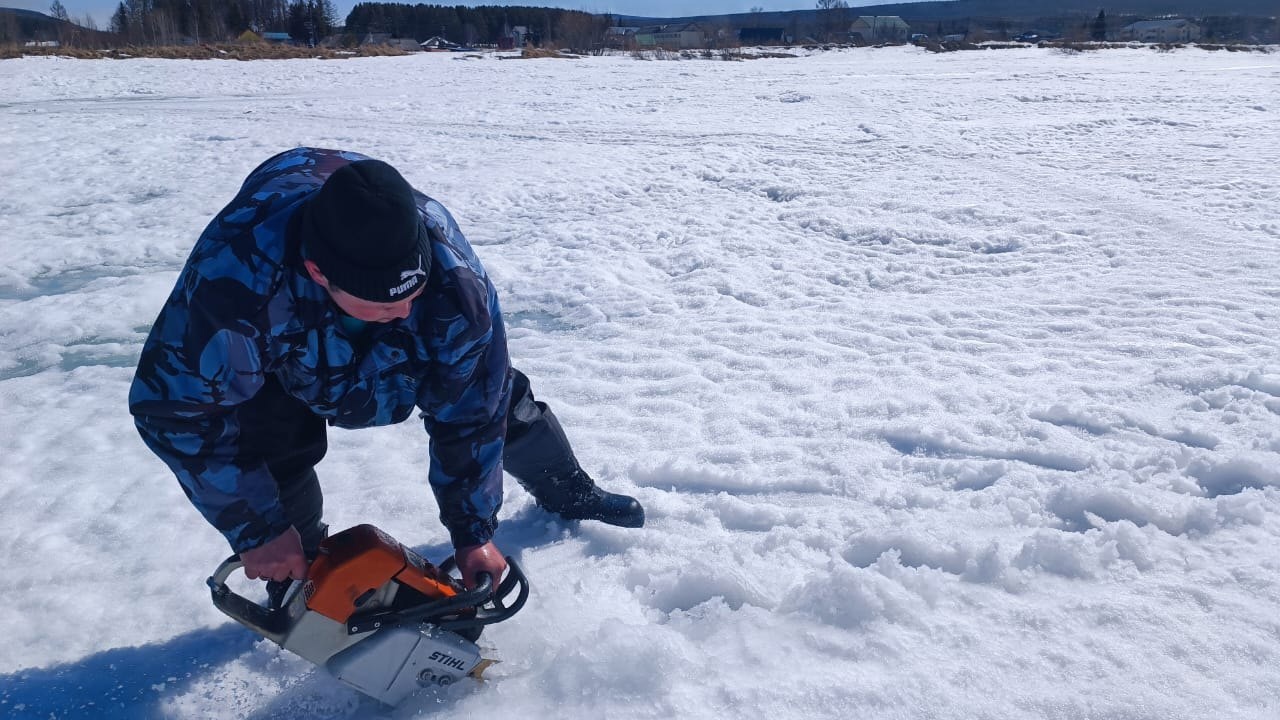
<point x="574" y="496"/>
<point x="541" y="459"/>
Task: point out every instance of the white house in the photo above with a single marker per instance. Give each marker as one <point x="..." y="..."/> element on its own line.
<point x="879" y="28"/>
<point x="1162" y="31"/>
<point x="672" y="37"/>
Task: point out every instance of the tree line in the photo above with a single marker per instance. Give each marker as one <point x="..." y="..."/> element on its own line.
<point x="485" y="24"/>
<point x="167" y="22"/>
<point x="172" y="22"/>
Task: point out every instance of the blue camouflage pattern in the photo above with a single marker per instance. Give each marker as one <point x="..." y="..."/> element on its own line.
<point x="244" y="308"/>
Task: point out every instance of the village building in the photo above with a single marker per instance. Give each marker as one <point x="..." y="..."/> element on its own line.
<point x="1173" y="30"/>
<point x="688" y="36"/>
<point x="763" y="36"/>
<point x="879" y="28"/>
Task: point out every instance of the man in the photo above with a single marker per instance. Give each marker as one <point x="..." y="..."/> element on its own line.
<point x="330" y="291"/>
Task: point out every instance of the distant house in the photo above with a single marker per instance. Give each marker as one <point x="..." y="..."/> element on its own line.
<point x="763" y="36"/>
<point x="437" y="43"/>
<point x="879" y="28"/>
<point x="513" y="37"/>
<point x="672" y="37"/>
<point x="620" y="37"/>
<point x="387" y="40"/>
<point x="406" y="44"/>
<point x="1162" y="31"/>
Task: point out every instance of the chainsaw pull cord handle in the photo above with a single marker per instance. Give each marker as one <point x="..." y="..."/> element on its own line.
<point x="270" y="623"/>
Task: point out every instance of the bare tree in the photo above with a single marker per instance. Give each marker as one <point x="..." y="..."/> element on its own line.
<point x="9" y="28"/>
<point x="835" y="17"/>
<point x="164" y="28"/>
<point x="577" y="31"/>
<point x="215" y="27"/>
<point x="59" y="13"/>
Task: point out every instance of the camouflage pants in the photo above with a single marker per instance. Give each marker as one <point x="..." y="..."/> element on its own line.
<point x="294" y="440"/>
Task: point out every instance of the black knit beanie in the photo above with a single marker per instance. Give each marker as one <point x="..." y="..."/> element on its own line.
<point x="363" y="231"/>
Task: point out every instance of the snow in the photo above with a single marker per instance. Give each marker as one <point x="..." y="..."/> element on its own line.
<point x="950" y="382"/>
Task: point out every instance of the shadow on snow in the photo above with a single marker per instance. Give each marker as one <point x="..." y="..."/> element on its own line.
<point x="120" y="683"/>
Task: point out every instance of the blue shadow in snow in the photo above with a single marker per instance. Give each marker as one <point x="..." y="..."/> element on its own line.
<point x="121" y="683"/>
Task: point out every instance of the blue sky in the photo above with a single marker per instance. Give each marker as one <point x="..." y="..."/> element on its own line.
<point x="101" y="9"/>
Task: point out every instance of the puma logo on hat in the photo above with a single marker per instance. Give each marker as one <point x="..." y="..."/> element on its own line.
<point x="410" y="273"/>
<point x="410" y="278"/>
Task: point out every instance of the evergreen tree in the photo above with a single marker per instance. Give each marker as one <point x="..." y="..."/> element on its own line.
<point x="1100" y="26"/>
<point x="120" y="20"/>
<point x="310" y="21"/>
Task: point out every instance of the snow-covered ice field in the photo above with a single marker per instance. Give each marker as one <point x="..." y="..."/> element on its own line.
<point x="950" y="383"/>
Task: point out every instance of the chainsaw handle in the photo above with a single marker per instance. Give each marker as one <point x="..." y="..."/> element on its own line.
<point x="499" y="609"/>
<point x="270" y="623"/>
<point x="436" y="612"/>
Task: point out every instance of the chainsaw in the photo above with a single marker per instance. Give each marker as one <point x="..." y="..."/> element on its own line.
<point x="379" y="617"/>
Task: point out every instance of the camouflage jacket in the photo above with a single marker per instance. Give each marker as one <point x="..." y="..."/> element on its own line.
<point x="244" y="307"/>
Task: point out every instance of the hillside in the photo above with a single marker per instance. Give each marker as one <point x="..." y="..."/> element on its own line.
<point x="1013" y="10"/>
<point x="20" y="26"/>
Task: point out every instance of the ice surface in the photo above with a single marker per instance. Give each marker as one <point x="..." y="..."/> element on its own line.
<point x="949" y="382"/>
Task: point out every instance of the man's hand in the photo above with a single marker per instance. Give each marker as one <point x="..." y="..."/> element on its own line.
<point x="476" y="559"/>
<point x="278" y="560"/>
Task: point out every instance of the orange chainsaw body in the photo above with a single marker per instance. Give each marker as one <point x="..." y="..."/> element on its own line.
<point x="355" y="563"/>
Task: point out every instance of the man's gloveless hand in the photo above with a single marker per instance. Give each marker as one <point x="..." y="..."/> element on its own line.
<point x="476" y="559"/>
<point x="279" y="559"/>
